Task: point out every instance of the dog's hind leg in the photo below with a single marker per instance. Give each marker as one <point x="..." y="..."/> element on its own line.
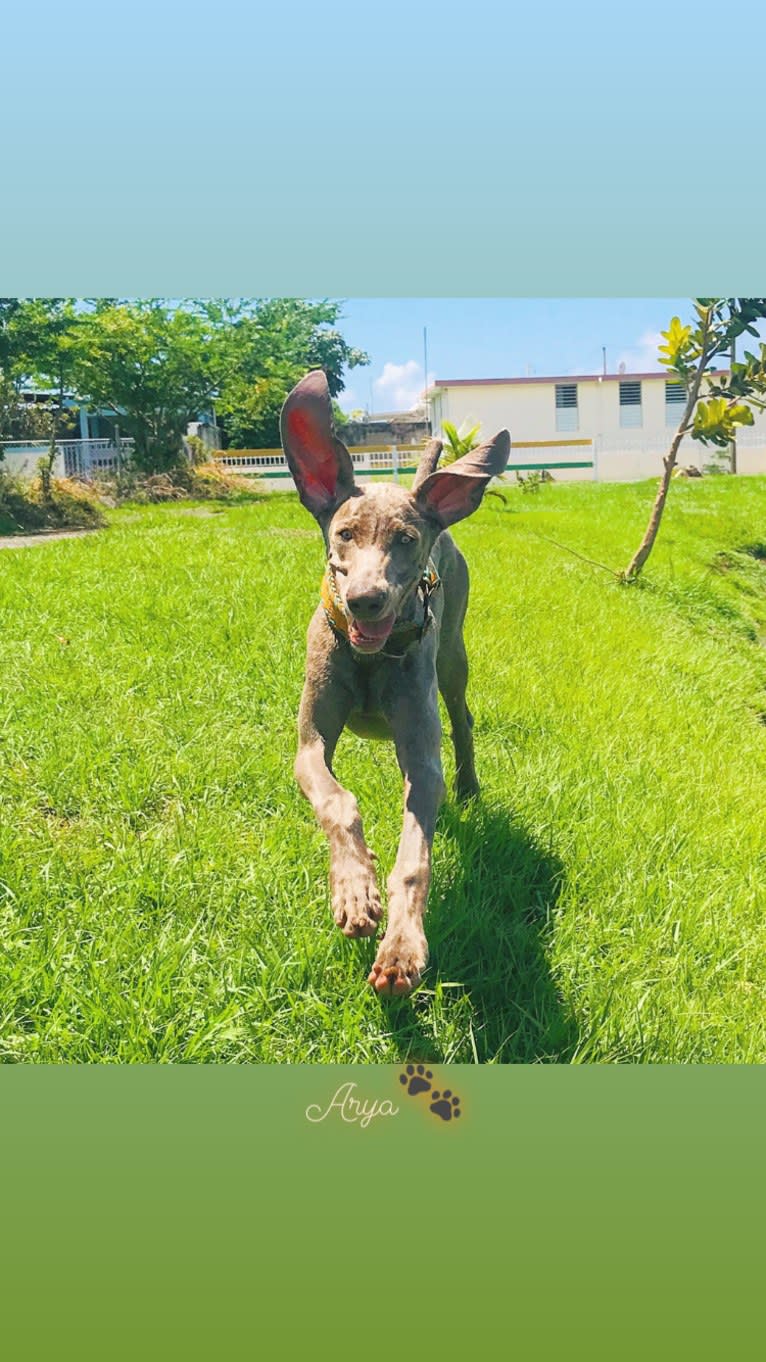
<point x="452" y="673"/>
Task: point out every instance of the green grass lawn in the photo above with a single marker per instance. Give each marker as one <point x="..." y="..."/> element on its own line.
<point x="163" y="885"/>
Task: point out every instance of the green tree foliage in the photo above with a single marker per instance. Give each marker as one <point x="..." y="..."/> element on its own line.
<point x="688" y="352"/>
<point x="156" y="365"/>
<point x="8" y="309"/>
<point x="9" y="406"/>
<point x="38" y="346"/>
<point x="266" y="347"/>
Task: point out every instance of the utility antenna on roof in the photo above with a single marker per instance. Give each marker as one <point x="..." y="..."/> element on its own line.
<point x="621" y="367"/>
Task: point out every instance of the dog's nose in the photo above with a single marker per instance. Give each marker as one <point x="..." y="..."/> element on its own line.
<point x="366" y="604"/>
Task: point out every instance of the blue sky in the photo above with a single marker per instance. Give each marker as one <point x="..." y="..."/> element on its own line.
<point x="495" y="338"/>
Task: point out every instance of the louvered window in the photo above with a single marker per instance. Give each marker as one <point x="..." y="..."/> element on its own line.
<point x="566" y="406"/>
<point x="630" y="404"/>
<point x="675" y="398"/>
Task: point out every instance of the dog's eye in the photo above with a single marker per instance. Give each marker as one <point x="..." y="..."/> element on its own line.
<point x="345" y="535"/>
<point x="405" y="538"/>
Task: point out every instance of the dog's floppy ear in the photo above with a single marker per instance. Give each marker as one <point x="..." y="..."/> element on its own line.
<point x="321" y="466"/>
<point x="456" y="491"/>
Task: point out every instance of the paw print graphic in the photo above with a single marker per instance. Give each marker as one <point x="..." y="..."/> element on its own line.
<point x="416" y="1079"/>
<point x="445" y="1105"/>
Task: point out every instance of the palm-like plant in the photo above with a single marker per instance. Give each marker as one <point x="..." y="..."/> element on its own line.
<point x="458" y="442"/>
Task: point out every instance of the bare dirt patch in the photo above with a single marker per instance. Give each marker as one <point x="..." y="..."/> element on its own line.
<point x="29" y="541"/>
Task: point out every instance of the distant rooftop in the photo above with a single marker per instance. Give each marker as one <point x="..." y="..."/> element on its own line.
<point x="385" y="417"/>
<point x="553" y="378"/>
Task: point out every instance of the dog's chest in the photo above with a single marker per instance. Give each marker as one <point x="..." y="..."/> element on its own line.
<point x="369" y="725"/>
<point x="376" y="683"/>
<point x="367" y="718"/>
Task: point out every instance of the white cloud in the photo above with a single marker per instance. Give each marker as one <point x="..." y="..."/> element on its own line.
<point x="639" y="358"/>
<point x="642" y="357"/>
<point x="400" y="386"/>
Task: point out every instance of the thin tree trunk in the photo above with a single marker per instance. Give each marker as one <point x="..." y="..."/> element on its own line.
<point x="633" y="570"/>
<point x="46" y="465"/>
<point x="733" y="444"/>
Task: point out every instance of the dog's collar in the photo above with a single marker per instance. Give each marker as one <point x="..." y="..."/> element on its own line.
<point x="402" y="635"/>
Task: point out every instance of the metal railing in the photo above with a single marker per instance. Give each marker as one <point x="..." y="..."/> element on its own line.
<point x="373" y="461"/>
<point x="75" y="458"/>
<point x="368" y="460"/>
<point x="83" y="458"/>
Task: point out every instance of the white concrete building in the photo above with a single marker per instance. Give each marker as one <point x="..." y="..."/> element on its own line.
<point x="613" y="427"/>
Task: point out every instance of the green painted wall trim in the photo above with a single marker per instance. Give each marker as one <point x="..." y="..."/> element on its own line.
<point x="410" y="468"/>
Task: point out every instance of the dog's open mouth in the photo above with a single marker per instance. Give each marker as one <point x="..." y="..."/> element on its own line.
<point x="368" y="636"/>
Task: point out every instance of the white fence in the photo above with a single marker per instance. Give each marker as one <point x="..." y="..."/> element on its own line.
<point x="567" y="458"/>
<point x="74" y="458"/>
<point x="271" y="464"/>
<point x="619" y="457"/>
<point x="629" y="458"/>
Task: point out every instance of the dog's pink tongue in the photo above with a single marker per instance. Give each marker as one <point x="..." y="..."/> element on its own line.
<point x="373" y="631"/>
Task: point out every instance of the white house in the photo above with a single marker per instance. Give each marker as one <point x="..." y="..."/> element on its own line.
<point x="614" y="427"/>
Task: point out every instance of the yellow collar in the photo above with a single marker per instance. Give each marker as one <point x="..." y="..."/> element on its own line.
<point x="402" y="634"/>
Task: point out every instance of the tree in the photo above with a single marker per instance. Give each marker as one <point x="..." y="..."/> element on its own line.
<point x="37" y="346"/>
<point x="157" y="365"/>
<point x="688" y="352"/>
<point x="154" y="365"/>
<point x="267" y="345"/>
<point x="8" y="309"/>
<point x="9" y="405"/>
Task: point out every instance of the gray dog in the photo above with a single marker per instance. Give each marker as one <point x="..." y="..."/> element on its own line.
<point x="388" y="630"/>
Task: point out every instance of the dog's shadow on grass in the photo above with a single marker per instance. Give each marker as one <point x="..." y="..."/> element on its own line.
<point x="488" y="993"/>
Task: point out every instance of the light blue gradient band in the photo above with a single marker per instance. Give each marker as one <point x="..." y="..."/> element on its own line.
<point x="430" y="150"/>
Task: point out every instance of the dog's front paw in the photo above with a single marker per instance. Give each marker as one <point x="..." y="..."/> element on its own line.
<point x="400" y="961"/>
<point x="355" y="898"/>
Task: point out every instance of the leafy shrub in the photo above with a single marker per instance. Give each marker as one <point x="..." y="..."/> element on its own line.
<point x="24" y="509"/>
<point x="200" y="482"/>
<point x="534" y="479"/>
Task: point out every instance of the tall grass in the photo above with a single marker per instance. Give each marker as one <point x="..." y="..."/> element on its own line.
<point x="163" y="886"/>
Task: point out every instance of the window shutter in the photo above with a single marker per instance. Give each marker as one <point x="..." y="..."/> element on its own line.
<point x="566" y="406"/>
<point x="630" y="403"/>
<point x="675" y="399"/>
